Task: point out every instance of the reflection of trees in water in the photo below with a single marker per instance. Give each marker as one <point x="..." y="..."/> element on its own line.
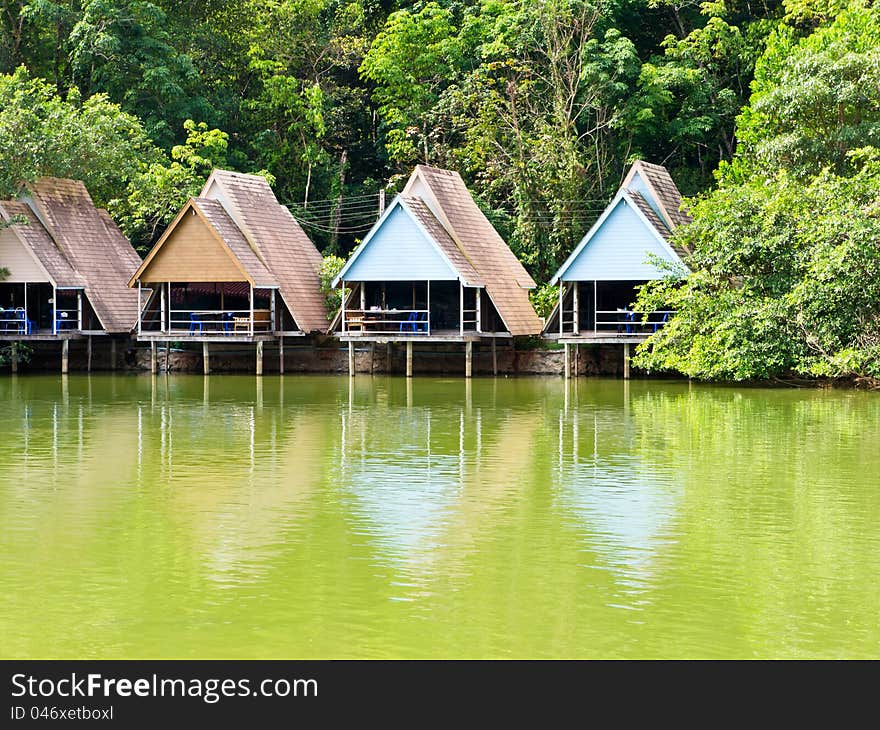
<point x="777" y="535"/>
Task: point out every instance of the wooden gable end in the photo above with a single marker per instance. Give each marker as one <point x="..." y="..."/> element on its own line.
<point x="192" y="252"/>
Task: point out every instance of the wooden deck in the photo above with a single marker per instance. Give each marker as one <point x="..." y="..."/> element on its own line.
<point x="218" y="337"/>
<point x="50" y="337"/>
<point x="598" y="337"/>
<point x="435" y="336"/>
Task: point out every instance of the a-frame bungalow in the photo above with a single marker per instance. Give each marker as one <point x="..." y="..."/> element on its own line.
<point x="233" y="267"/>
<point x="630" y="244"/>
<point x="68" y="267"/>
<point x="434" y="270"/>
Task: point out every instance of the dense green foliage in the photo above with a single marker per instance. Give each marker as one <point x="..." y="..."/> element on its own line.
<point x="786" y="251"/>
<point x="759" y="110"/>
<point x="540" y="105"/>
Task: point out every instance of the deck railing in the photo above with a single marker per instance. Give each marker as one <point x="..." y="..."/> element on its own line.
<point x="220" y="322"/>
<point x="627" y="321"/>
<point x="15" y="322"/>
<point x="67" y="320"/>
<point x="388" y="321"/>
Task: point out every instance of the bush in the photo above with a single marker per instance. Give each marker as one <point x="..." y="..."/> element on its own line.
<point x="330" y="267"/>
<point x="544" y="298"/>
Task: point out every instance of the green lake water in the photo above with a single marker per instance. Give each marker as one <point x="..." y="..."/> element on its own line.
<point x="308" y="516"/>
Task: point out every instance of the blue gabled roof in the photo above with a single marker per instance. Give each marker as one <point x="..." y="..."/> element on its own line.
<point x="620" y="245"/>
<point x="400" y="247"/>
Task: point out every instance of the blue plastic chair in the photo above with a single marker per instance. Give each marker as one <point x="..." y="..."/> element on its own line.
<point x="227" y="322"/>
<point x="630" y="318"/>
<point x="63" y="322"/>
<point x="664" y="320"/>
<point x="411" y="323"/>
<point x="195" y="324"/>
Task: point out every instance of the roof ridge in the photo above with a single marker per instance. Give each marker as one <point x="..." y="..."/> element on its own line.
<point x="452" y="234"/>
<point x="251" y="239"/>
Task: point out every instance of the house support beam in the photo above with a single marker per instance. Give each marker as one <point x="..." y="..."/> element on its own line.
<point x="113" y="353"/>
<point x="626" y="360"/>
<point x="206" y="359"/>
<point x="13" y="357"/>
<point x="468" y="358"/>
<point x="89" y="354"/>
<point x="167" y="366"/>
<point x="351" y="359"/>
<point x="494" y="358"/>
<point x="387" y="357"/>
<point x="566" y="365"/>
<point x="281" y="355"/>
<point x="409" y="359"/>
<point x="260" y="357"/>
<point x="153" y="363"/>
<point x="65" y="356"/>
<point x="372" y="356"/>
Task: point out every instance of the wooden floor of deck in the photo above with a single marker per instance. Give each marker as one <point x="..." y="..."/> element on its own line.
<point x="598" y="337"/>
<point x="434" y="336"/>
<point x="218" y="337"/>
<point x="49" y="336"/>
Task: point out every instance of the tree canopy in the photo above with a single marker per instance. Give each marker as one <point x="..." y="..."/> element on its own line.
<point x="786" y="250"/>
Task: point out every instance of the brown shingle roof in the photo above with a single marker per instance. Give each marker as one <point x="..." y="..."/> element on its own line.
<point x="225" y="227"/>
<point x="664" y="189"/>
<point x="657" y="222"/>
<point x="90" y="244"/>
<point x="279" y="241"/>
<point x="449" y="247"/>
<point x="505" y="278"/>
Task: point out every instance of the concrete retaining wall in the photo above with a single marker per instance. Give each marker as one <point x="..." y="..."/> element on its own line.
<point x="329" y="357"/>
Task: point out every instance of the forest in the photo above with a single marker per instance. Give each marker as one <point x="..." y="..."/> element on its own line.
<point x="766" y="113"/>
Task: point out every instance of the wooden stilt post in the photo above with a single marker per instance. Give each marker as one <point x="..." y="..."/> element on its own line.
<point x="626" y="360"/>
<point x="14" y="357"/>
<point x="206" y="359"/>
<point x="351" y="359"/>
<point x="372" y="356"/>
<point x="89" y="354"/>
<point x="468" y="358"/>
<point x="577" y="359"/>
<point x="409" y="358"/>
<point x="153" y="364"/>
<point x="387" y="357"/>
<point x="260" y="357"/>
<point x="566" y="369"/>
<point x="281" y="355"/>
<point x="65" y="356"/>
<point x="167" y="365"/>
<point x="494" y="358"/>
<point x="113" y="353"/>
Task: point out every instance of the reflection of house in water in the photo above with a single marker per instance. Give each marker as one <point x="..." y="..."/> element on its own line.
<point x="240" y="474"/>
<point x="403" y="478"/>
<point x="74" y="464"/>
<point x="623" y="500"/>
<point x="430" y="483"/>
